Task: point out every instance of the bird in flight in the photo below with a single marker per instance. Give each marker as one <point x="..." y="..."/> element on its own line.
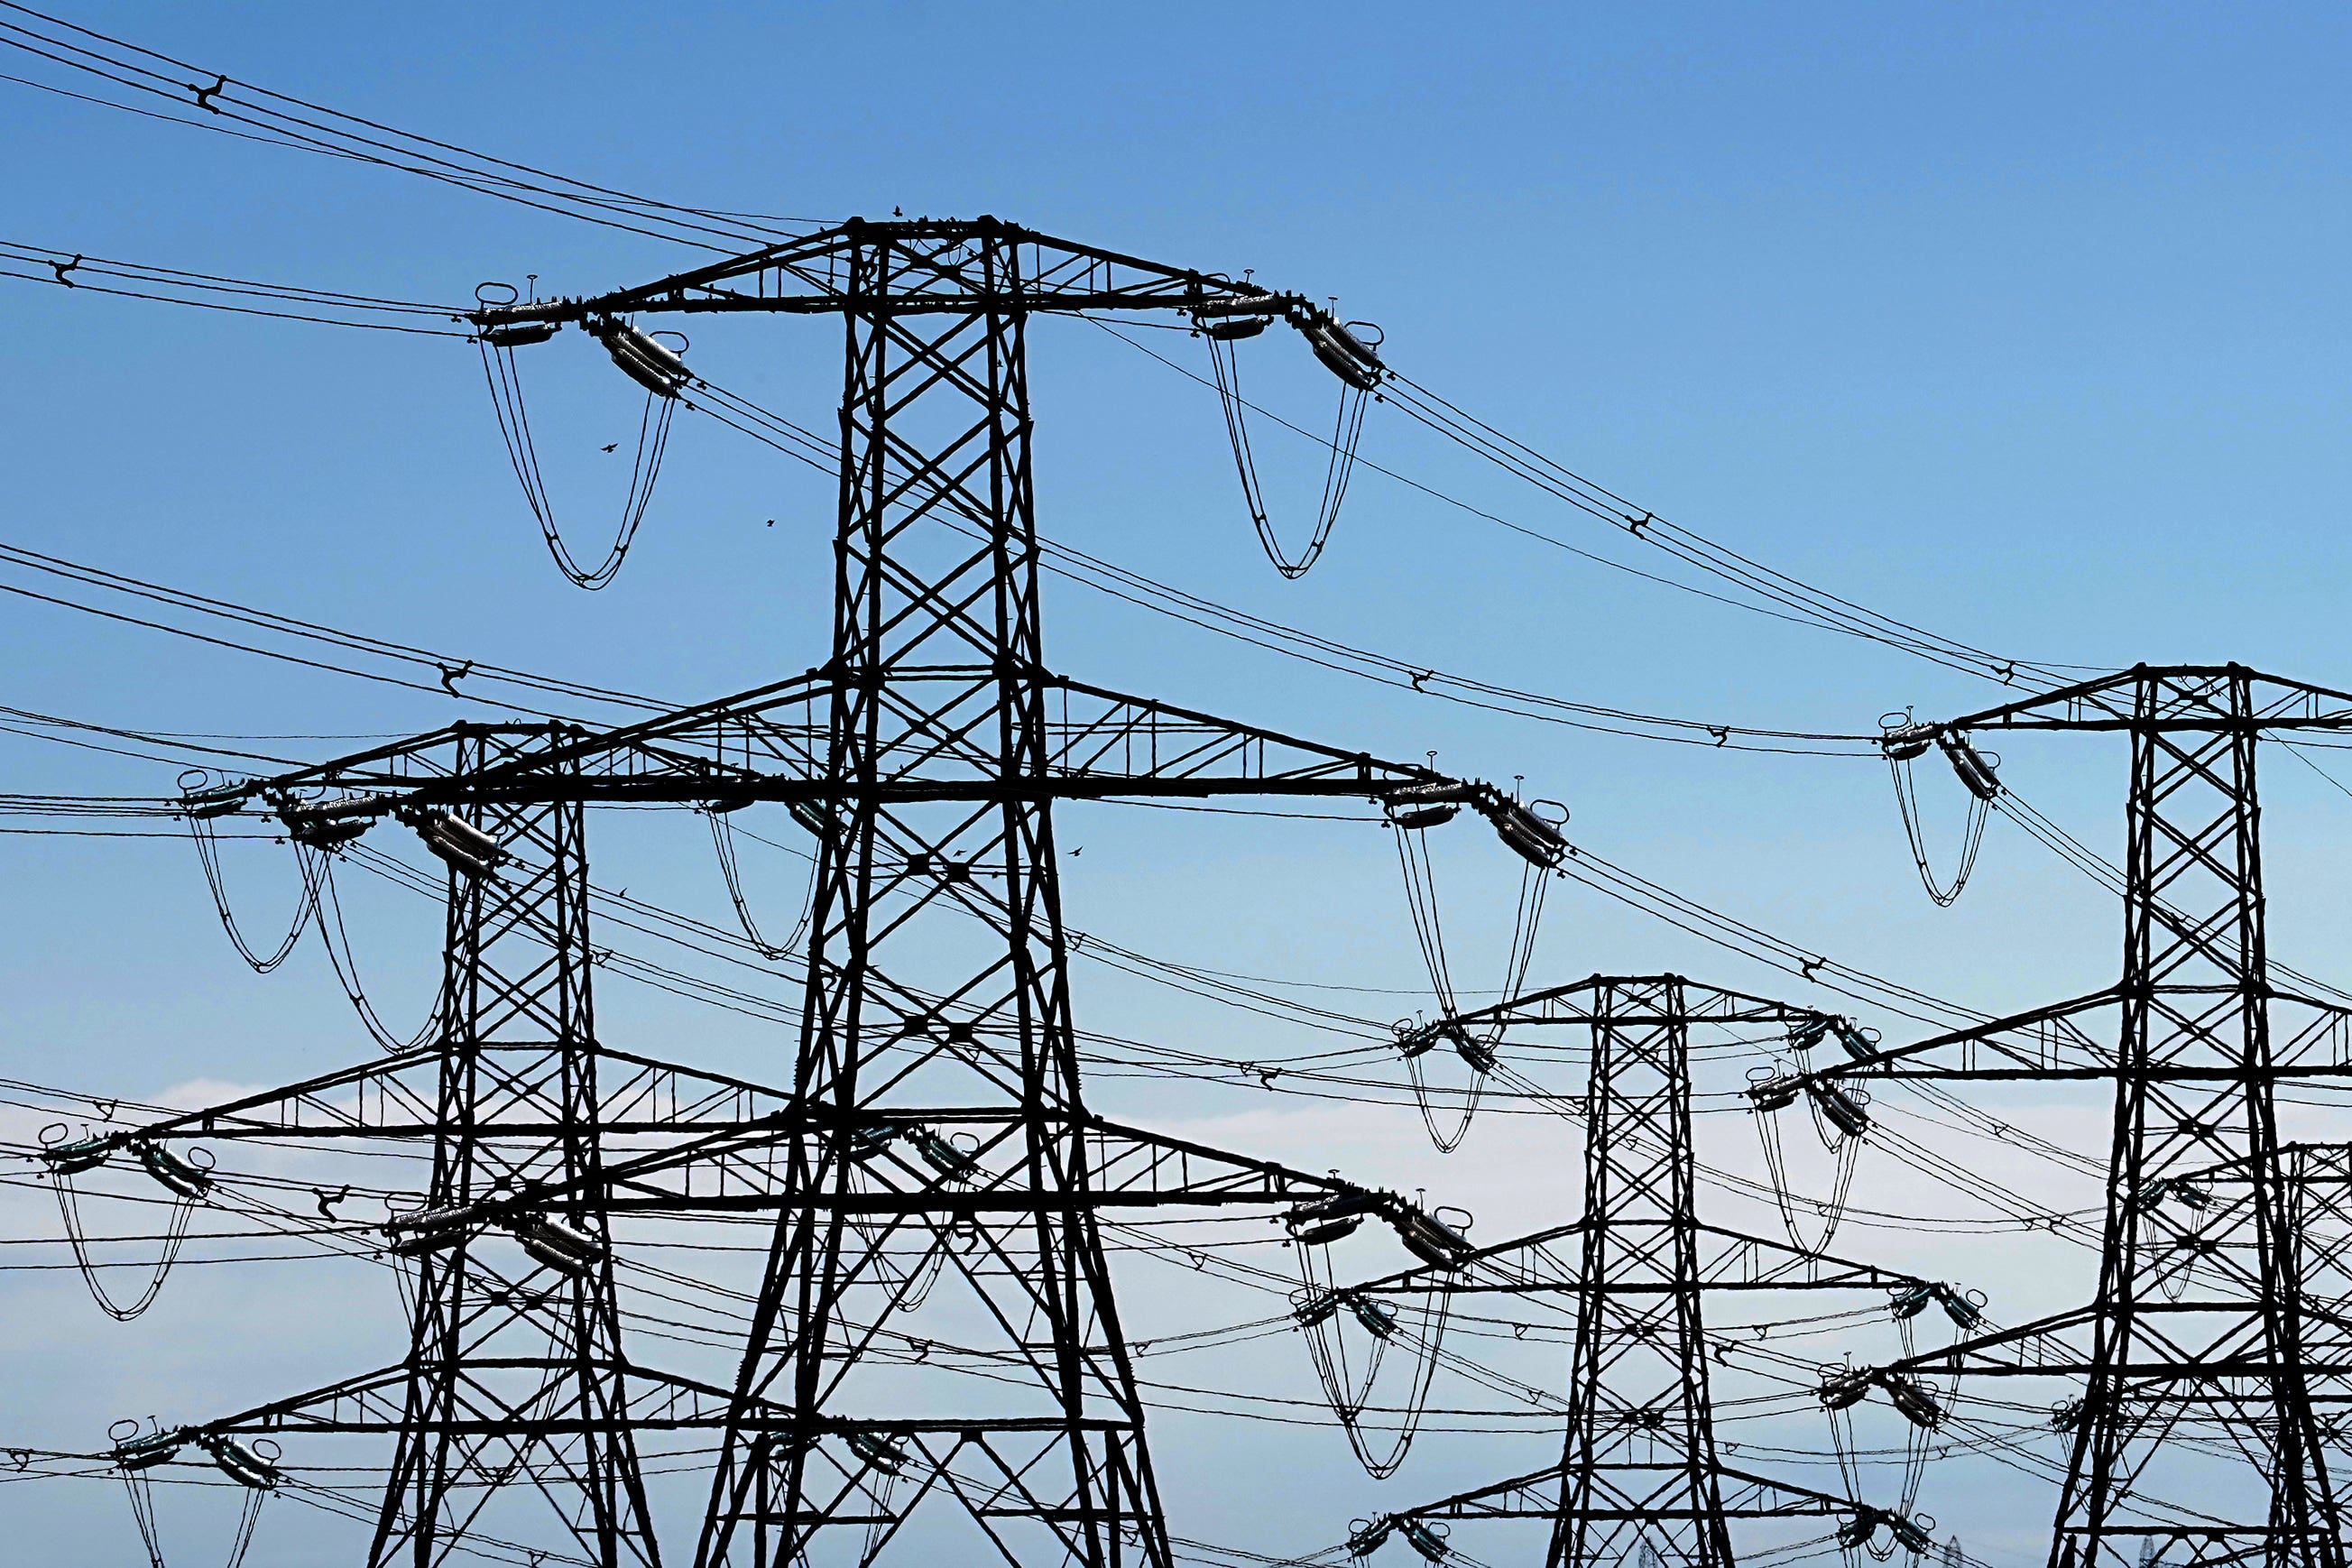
<point x="612" y="445"/>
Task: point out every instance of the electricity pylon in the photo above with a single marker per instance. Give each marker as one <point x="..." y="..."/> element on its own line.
<point x="541" y="1134"/>
<point x="2199" y="1321"/>
<point x="945" y="744"/>
<point x="1640" y="1468"/>
<point x="515" y="1368"/>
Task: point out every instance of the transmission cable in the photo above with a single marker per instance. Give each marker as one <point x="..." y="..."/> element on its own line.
<point x="283" y="121"/>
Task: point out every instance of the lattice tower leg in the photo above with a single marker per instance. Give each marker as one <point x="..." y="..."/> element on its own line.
<point x="2198" y="1321"/>
<point x="1641" y="1431"/>
<point x="515" y="1370"/>
<point x="936" y="653"/>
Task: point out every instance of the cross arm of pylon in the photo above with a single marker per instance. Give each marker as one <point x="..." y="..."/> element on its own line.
<point x="1537" y="1496"/>
<point x="2041" y="1043"/>
<point x="373" y="1401"/>
<point x="368" y="1098"/>
<point x="1097" y="744"/>
<point x="909" y="1169"/>
<point x="2113" y="702"/>
<point x="930" y="264"/>
<point x="1530" y="1265"/>
<point x="641" y="1095"/>
<point x="1600" y="998"/>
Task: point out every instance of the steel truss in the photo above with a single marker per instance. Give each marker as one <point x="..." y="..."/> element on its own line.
<point x="2200" y="1323"/>
<point x="933" y="1153"/>
<point x="532" y="1120"/>
<point x="942" y="748"/>
<point x="1640" y="1467"/>
<point x="515" y="1370"/>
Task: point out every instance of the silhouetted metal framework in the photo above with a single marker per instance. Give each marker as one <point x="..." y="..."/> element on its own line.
<point x="2316" y="1179"/>
<point x="515" y="1373"/>
<point x="2200" y="1322"/>
<point x="932" y="743"/>
<point x="1640" y="1467"/>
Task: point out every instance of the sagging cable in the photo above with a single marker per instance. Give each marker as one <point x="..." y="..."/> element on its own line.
<point x="1347" y="1378"/>
<point x="1841" y="1117"/>
<point x="188" y="1180"/>
<point x="1351" y="356"/>
<point x="1411" y="811"/>
<point x="1904" y="742"/>
<point x="640" y="355"/>
<point x="722" y="843"/>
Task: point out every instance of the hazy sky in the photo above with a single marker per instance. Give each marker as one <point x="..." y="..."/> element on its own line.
<point x="2023" y="323"/>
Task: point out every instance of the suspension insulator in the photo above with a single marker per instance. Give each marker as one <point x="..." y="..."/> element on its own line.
<point x="644" y="360"/>
<point x="1857" y="1529"/>
<point x="1324" y="1232"/>
<point x="1809" y="1034"/>
<point x="1859" y="1046"/>
<point x="1476" y="1053"/>
<point x="1431" y="1239"/>
<point x="551" y="1254"/>
<point x="861" y="1143"/>
<point x="941" y="1155"/>
<point x="1965" y="1308"/>
<point x="1774" y="1092"/>
<point x="241" y="1464"/>
<point x="429" y="1230"/>
<point x="329" y="823"/>
<point x="1912" y="1399"/>
<point x="1841" y="1107"/>
<point x="182" y="1177"/>
<point x="1905" y="742"/>
<point x="1910" y="1534"/>
<point x="1973" y="767"/>
<point x="558" y="1245"/>
<point x="456" y="842"/>
<point x="1366" y="1536"/>
<point x="877" y="1451"/>
<point x="1230" y="329"/>
<point x="1318" y="1308"/>
<point x="1529" y="836"/>
<point x="1421" y="816"/>
<point x="517" y="335"/>
<point x="81" y="1154"/>
<point x="1843" y="1390"/>
<point x="1417" y="1040"/>
<point x="1423" y="1538"/>
<point x="2066" y="1416"/>
<point x="1329" y="341"/>
<point x="1376" y="1317"/>
<point x="1911" y="1300"/>
<point x="204" y="805"/>
<point x="150" y="1449"/>
<point x="1326" y="1220"/>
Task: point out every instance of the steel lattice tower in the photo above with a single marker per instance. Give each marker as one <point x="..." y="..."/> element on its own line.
<point x="2199" y="1319"/>
<point x="515" y="1367"/>
<point x="519" y="1048"/>
<point x="1639" y="1467"/>
<point x="944" y="742"/>
<point x="934" y="1131"/>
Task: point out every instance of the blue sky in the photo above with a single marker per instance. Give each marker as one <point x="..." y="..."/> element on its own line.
<point x="2025" y="324"/>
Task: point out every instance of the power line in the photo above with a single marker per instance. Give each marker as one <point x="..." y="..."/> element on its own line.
<point x="140" y="78"/>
